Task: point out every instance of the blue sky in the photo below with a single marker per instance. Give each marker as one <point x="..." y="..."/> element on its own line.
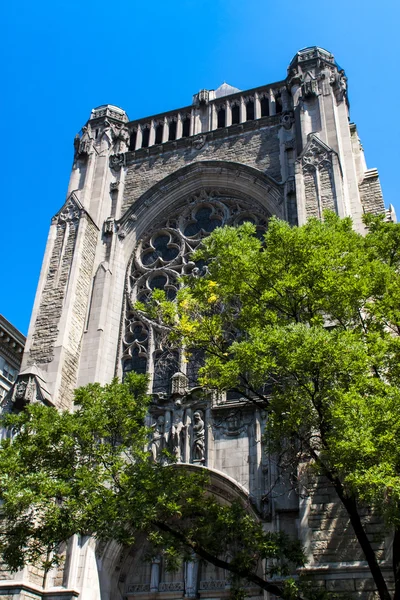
<point x="61" y="59"/>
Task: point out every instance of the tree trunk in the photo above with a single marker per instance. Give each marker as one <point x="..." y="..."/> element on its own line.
<point x="351" y="508"/>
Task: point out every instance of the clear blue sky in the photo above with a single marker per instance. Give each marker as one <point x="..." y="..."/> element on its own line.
<point x="61" y="59"/>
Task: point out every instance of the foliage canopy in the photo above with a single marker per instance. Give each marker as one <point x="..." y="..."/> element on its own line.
<point x="307" y="322"/>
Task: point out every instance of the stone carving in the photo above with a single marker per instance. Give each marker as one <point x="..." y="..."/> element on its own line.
<point x="233" y="424"/>
<point x="316" y="156"/>
<point x="109" y="226"/>
<point x="287" y="120"/>
<point x="24" y="391"/>
<point x="121" y="137"/>
<point x="309" y="88"/>
<point x="117" y="161"/>
<point x="214" y="584"/>
<point x="173" y="586"/>
<point x="70" y="212"/>
<point x="199" y="142"/>
<point x="138" y="588"/>
<point x="177" y="433"/>
<point x="179" y="383"/>
<point x="338" y="81"/>
<point x="114" y="185"/>
<point x="157" y="443"/>
<point x="83" y="145"/>
<point x="199" y="442"/>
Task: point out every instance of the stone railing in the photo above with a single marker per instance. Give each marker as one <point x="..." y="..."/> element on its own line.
<point x="205" y="115"/>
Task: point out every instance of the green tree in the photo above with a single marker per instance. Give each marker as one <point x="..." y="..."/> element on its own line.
<point x="88" y="472"/>
<point x="306" y="321"/>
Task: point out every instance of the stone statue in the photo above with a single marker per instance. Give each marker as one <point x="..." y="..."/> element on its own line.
<point x="198" y="437"/>
<point x="121" y="140"/>
<point x="177" y="432"/>
<point x="83" y="144"/>
<point x="157" y="442"/>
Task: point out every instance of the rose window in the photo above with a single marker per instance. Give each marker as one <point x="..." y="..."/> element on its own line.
<point x="160" y="258"/>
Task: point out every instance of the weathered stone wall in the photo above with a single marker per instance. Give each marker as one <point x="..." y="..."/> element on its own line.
<point x="76" y="323"/>
<point x="51" y="304"/>
<point x="311" y="194"/>
<point x="326" y="190"/>
<point x="255" y="144"/>
<point x="332" y="536"/>
<point x="371" y="193"/>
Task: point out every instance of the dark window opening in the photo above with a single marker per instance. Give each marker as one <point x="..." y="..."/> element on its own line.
<point x="195" y="362"/>
<point x="278" y="104"/>
<point x="145" y="138"/>
<point x="159" y="133"/>
<point x="172" y="131"/>
<point x="137" y="363"/>
<point x="235" y="114"/>
<point x="250" y="110"/>
<point x="264" y="107"/>
<point x="186" y="127"/>
<point x="166" y="364"/>
<point x="233" y="395"/>
<point x="221" y="117"/>
<point x="132" y="141"/>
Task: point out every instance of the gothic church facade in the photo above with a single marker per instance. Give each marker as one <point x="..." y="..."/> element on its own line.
<point x="142" y="196"/>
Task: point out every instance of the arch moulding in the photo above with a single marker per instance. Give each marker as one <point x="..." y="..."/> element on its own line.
<point x="228" y="178"/>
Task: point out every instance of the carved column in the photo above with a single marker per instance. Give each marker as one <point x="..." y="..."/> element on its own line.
<point x="228" y="114"/>
<point x="155" y="575"/>
<point x="139" y="137"/>
<point x="152" y="136"/>
<point x="214" y="120"/>
<point x="257" y="106"/>
<point x="242" y="110"/>
<point x="165" y="131"/>
<point x="179" y="127"/>
<point x="272" y="103"/>
<point x="191" y="567"/>
<point x="192" y="122"/>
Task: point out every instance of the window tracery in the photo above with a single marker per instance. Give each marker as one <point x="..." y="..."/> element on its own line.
<point x="159" y="259"/>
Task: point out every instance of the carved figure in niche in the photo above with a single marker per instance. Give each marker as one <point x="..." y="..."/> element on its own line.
<point x="157" y="443"/>
<point x="177" y="432"/>
<point x="20" y="389"/>
<point x="85" y="142"/>
<point x="121" y="139"/>
<point x="198" y="437"/>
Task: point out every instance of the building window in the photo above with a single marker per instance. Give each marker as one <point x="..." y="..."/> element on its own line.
<point x="250" y="110"/>
<point x="278" y="104"/>
<point x="132" y="140"/>
<point x="221" y="117"/>
<point x="264" y="107"/>
<point x="235" y="114"/>
<point x="145" y="137"/>
<point x="172" y="131"/>
<point x="186" y="127"/>
<point x="7" y="370"/>
<point x="159" y="133"/>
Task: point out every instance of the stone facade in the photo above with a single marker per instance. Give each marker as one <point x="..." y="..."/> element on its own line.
<point x="142" y="196"/>
<point x="12" y="344"/>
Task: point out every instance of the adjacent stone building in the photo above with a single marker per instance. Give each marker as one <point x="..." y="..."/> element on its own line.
<point x="142" y="196"/>
<point x="12" y="344"/>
